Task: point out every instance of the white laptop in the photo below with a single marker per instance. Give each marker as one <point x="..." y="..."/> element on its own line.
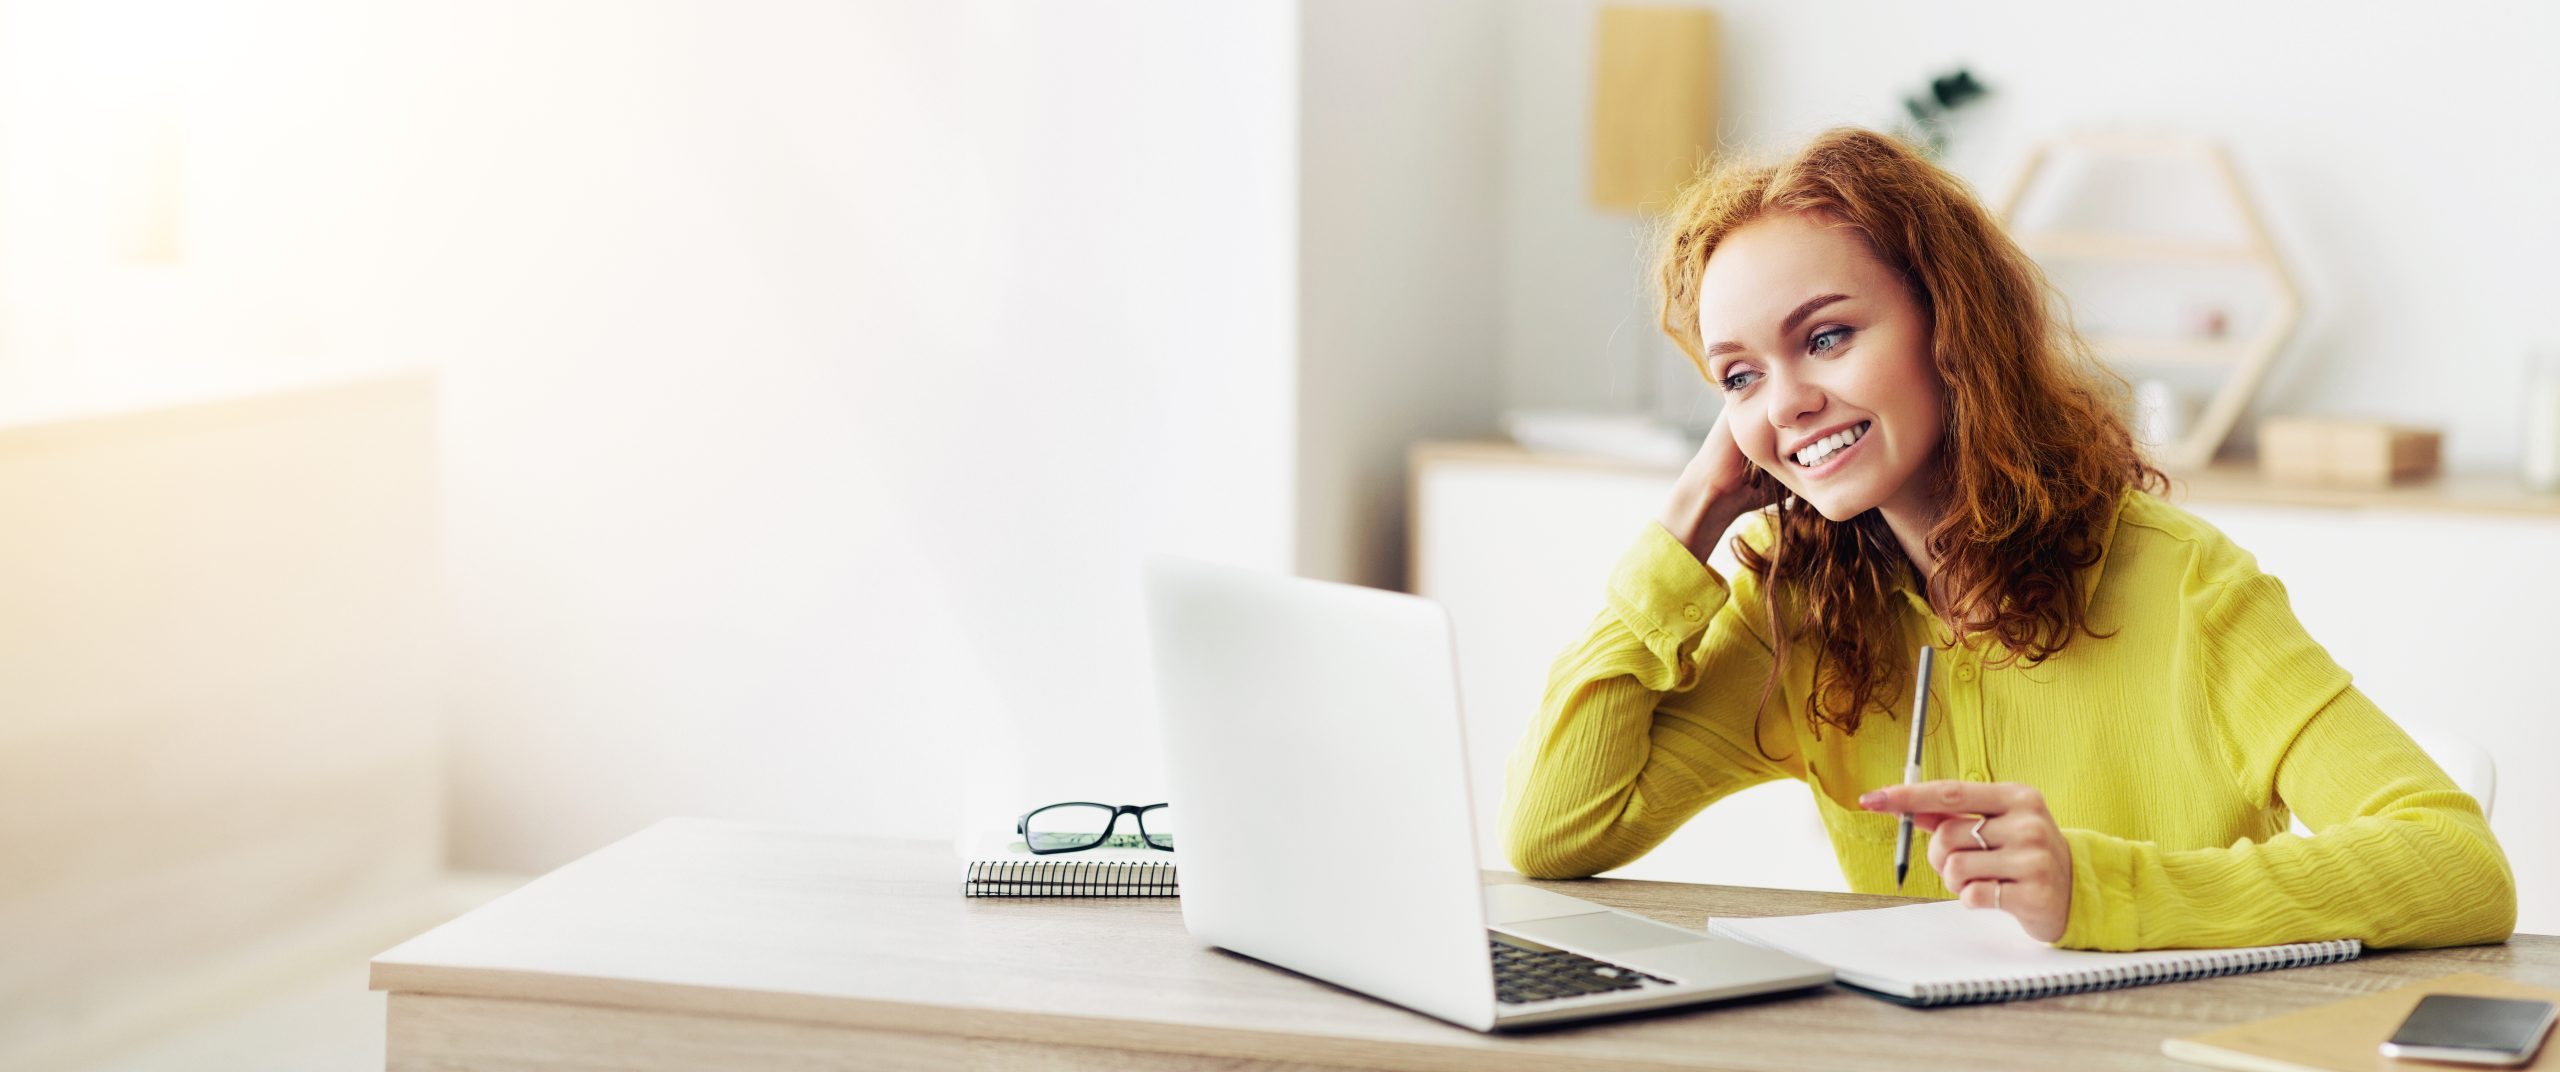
<point x="1317" y="765"/>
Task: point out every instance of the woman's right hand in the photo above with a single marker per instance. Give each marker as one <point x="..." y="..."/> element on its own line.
<point x="1715" y="490"/>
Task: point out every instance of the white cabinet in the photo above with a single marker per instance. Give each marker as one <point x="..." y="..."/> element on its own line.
<point x="2445" y="617"/>
<point x="1519" y="551"/>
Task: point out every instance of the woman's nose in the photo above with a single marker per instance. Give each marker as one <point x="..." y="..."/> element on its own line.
<point x="1793" y="397"/>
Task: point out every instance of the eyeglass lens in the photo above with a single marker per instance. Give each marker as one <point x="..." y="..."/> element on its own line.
<point x="1067" y="826"/>
<point x="1084" y="826"/>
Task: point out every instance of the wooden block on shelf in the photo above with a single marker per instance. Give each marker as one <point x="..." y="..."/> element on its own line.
<point x="2328" y="450"/>
<point x="1653" y="103"/>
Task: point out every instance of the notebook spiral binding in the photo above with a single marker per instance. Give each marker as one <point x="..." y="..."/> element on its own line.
<point x="1069" y="878"/>
<point x="2239" y="960"/>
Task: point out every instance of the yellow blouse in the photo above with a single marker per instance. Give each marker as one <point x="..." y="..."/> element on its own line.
<point x="2173" y="753"/>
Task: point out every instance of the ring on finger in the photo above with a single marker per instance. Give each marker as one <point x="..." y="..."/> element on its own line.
<point x="1977" y="832"/>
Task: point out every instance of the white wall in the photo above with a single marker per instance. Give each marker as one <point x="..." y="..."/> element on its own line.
<point x="1398" y="262"/>
<point x="834" y="364"/>
<point x="973" y="353"/>
<point x="812" y="373"/>
<point x="2402" y="157"/>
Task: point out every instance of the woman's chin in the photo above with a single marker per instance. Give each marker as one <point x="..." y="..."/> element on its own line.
<point x="1834" y="506"/>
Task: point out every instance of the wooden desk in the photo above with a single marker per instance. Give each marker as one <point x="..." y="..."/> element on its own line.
<point x="700" y="944"/>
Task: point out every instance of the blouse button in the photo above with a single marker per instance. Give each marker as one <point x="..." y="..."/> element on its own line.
<point x="1964" y="671"/>
<point x="1692" y="612"/>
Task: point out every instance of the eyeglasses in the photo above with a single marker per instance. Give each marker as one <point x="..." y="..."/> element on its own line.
<point x="1080" y="825"/>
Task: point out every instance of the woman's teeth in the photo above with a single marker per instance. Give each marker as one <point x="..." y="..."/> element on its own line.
<point x="1823" y="448"/>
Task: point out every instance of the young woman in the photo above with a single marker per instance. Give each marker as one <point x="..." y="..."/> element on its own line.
<point x="2125" y="713"/>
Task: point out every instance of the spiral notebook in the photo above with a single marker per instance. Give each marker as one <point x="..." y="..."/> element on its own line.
<point x="1000" y="865"/>
<point x="1069" y="878"/>
<point x="1943" y="953"/>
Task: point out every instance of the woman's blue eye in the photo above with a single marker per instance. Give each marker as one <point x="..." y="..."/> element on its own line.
<point x="1825" y="334"/>
<point x="1734" y="381"/>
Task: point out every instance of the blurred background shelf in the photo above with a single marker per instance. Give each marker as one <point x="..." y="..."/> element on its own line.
<point x="2235" y="481"/>
<point x="2124" y="350"/>
<point x="2245" y="245"/>
<point x="2042" y="244"/>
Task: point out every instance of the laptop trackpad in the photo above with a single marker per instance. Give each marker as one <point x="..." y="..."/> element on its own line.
<point x="1599" y="932"/>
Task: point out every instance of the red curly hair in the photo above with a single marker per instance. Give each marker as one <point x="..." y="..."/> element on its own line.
<point x="2035" y="454"/>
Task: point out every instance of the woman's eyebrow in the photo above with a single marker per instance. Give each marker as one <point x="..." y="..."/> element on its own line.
<point x="1786" y="328"/>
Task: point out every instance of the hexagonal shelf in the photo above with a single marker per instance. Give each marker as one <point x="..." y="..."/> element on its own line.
<point x="2247" y="359"/>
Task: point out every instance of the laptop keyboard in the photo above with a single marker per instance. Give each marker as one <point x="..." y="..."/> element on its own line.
<point x="1525" y="973"/>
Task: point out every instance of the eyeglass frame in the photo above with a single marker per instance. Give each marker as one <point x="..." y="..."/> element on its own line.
<point x="1022" y="826"/>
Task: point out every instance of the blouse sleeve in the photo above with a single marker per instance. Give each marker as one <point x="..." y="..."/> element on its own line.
<point x="1645" y="721"/>
<point x="2401" y="857"/>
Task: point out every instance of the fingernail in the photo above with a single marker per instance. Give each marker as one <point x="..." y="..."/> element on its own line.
<point x="1873" y="798"/>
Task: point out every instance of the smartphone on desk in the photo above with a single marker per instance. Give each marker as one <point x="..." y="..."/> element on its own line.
<point x="2472" y="1030"/>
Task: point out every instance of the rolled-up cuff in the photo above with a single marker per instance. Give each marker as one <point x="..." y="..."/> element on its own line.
<point x="1663" y="593"/>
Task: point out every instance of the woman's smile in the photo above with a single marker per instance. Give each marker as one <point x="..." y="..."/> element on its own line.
<point x="1826" y="455"/>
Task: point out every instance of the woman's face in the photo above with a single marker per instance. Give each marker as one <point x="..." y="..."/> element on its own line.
<point x="1822" y="356"/>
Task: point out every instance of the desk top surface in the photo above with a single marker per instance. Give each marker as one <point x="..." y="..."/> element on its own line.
<point x="726" y="919"/>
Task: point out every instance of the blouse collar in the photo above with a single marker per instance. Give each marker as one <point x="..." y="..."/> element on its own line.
<point x="2088" y="580"/>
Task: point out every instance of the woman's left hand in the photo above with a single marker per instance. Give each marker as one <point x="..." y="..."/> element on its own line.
<point x="1994" y="844"/>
